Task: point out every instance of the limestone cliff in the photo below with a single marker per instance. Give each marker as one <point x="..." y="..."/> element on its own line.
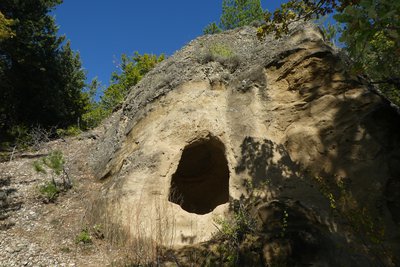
<point x="320" y="148"/>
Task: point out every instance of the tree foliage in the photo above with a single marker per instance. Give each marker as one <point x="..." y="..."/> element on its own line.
<point x="372" y="37"/>
<point x="236" y="13"/>
<point x="41" y="77"/>
<point x="212" y="28"/>
<point x="370" y="32"/>
<point x="5" y="27"/>
<point x="131" y="71"/>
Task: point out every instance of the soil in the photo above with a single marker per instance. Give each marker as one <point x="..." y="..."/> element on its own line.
<point x="35" y="232"/>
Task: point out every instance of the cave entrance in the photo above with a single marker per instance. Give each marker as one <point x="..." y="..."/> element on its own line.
<point x="201" y="182"/>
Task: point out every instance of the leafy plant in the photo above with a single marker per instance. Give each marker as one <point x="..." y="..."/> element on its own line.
<point x="49" y="191"/>
<point x="235" y="228"/>
<point x="221" y="50"/>
<point x="236" y="13"/>
<point x="5" y="27"/>
<point x="42" y="77"/>
<point x="37" y="165"/>
<point x="211" y="28"/>
<point x="130" y="71"/>
<point x="221" y="53"/>
<point x="55" y="162"/>
<point x="83" y="237"/>
<point x="370" y="33"/>
<point x="368" y="229"/>
<point x="72" y="130"/>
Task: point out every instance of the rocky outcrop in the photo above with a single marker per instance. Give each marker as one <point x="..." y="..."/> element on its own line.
<point x="286" y="116"/>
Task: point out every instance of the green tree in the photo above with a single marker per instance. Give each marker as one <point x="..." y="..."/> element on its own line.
<point x="5" y="27"/>
<point x="236" y="13"/>
<point x="41" y="77"/>
<point x="95" y="111"/>
<point x="370" y="32"/>
<point x="132" y="70"/>
<point x="372" y="38"/>
<point x="211" y="28"/>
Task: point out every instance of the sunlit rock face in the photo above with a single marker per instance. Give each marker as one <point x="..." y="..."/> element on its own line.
<point x="285" y="116"/>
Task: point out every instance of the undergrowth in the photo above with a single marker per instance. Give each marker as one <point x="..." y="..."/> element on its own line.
<point x="53" y="165"/>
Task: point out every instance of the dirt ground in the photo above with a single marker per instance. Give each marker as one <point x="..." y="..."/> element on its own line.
<point x="36" y="233"/>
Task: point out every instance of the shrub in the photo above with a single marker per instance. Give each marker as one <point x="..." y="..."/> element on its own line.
<point x="21" y="137"/>
<point x="221" y="53"/>
<point x="49" y="191"/>
<point x="37" y="165"/>
<point x="55" y="162"/>
<point x="211" y="28"/>
<point x="236" y="14"/>
<point x="83" y="237"/>
<point x="234" y="229"/>
<point x="72" y="130"/>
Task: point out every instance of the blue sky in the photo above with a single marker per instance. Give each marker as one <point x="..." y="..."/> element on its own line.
<point x="102" y="30"/>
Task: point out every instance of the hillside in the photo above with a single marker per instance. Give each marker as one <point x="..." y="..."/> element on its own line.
<point x="234" y="151"/>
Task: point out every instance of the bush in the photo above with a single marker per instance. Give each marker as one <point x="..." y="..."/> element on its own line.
<point x="234" y="229"/>
<point x="37" y="165"/>
<point x="55" y="162"/>
<point x="72" y="130"/>
<point x="211" y="28"/>
<point x="83" y="237"/>
<point x="49" y="191"/>
<point x="221" y="53"/>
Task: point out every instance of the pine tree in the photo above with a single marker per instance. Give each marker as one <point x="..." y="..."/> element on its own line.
<point x="237" y="13"/>
<point x="42" y="79"/>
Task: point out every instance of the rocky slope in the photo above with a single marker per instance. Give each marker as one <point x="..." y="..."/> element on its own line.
<point x="286" y="116"/>
<point x="234" y="151"/>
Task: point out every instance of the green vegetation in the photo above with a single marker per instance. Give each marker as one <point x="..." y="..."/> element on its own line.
<point x="369" y="30"/>
<point x="39" y="167"/>
<point x="233" y="230"/>
<point x="72" y="130"/>
<point x="131" y="71"/>
<point x="236" y="13"/>
<point x="221" y="53"/>
<point x="49" y="191"/>
<point x="366" y="227"/>
<point x="83" y="237"/>
<point x="55" y="163"/>
<point x="212" y="28"/>
<point x="221" y="50"/>
<point x="5" y="27"/>
<point x="38" y="70"/>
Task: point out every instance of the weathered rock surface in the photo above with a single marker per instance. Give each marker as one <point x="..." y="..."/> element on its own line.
<point x="284" y="114"/>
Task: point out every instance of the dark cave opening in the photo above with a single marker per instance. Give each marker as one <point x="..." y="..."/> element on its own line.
<point x="201" y="181"/>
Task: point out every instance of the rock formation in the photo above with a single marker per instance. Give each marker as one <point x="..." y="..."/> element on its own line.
<point x="320" y="148"/>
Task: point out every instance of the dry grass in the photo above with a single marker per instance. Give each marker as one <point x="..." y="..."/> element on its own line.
<point x="141" y="234"/>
